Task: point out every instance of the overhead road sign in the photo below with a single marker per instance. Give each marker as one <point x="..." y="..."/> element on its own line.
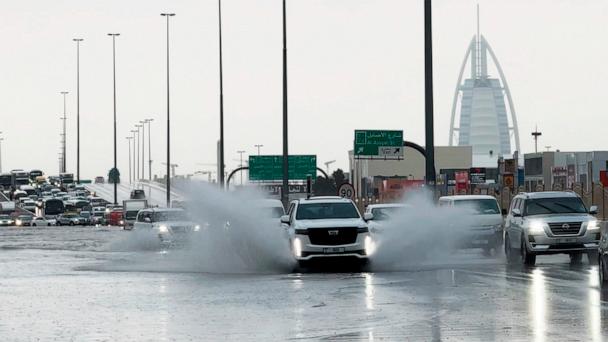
<point x="379" y="144"/>
<point x="270" y="168"/>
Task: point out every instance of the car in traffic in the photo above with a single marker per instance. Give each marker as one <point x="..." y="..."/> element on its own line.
<point x="327" y="227"/>
<point x="114" y="217"/>
<point x="6" y="220"/>
<point x="23" y="220"/>
<point x="137" y="194"/>
<point x="170" y="224"/>
<point x="29" y="205"/>
<point x="70" y="219"/>
<point x="86" y="217"/>
<point x="99" y="180"/>
<point x="486" y="229"/>
<point x="40" y="221"/>
<point x="381" y="213"/>
<point x="552" y="222"/>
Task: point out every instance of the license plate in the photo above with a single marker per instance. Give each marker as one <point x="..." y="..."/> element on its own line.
<point x="480" y="242"/>
<point x="566" y="240"/>
<point x="333" y="250"/>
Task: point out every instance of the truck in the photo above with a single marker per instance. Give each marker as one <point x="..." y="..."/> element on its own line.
<point x="130" y="210"/>
<point x="7" y="207"/>
<point x="20" y="177"/>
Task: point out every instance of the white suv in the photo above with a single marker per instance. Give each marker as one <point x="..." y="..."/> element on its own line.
<point x="171" y="224"/>
<point x="326" y="227"/>
<point x="550" y="222"/>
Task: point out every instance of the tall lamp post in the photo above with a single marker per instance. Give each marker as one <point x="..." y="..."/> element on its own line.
<point x="129" y="141"/>
<point x="1" y="140"/>
<point x="285" y="191"/>
<point x="134" y="167"/>
<point x="168" y="187"/>
<point x="137" y="155"/>
<point x="78" y="40"/>
<point x="258" y="146"/>
<point x="114" y="35"/>
<point x="64" y="118"/>
<point x="149" y="121"/>
<point x="428" y="91"/>
<point x="143" y="148"/>
<point x="241" y="165"/>
<point x="221" y="149"/>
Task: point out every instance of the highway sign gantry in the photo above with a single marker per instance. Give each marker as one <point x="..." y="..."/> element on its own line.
<point x="270" y="168"/>
<point x="378" y="143"/>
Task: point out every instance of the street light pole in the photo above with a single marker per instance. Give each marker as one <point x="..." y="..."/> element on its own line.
<point x="258" y="147"/>
<point x="114" y="35"/>
<point x="428" y="91"/>
<point x="129" y="141"/>
<point x="221" y="169"/>
<point x="77" y="40"/>
<point x="63" y="166"/>
<point x="241" y="165"/>
<point x="134" y="167"/>
<point x="143" y="148"/>
<point x="1" y="139"/>
<point x="285" y="191"/>
<point x="137" y="155"/>
<point x="149" y="150"/>
<point x="168" y="185"/>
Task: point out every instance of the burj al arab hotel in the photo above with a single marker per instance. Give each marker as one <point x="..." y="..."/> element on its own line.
<point x="479" y="114"/>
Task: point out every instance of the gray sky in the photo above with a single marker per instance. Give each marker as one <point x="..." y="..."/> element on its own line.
<point x="352" y="64"/>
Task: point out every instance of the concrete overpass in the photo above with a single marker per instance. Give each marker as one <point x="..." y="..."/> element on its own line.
<point x="155" y="193"/>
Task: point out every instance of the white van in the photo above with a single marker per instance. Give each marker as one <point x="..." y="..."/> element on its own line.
<point x="487" y="230"/>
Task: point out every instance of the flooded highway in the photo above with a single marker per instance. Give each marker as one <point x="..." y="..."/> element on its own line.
<point x="85" y="283"/>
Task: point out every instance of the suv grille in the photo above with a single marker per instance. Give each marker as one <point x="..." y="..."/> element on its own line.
<point x="565" y="228"/>
<point x="328" y="236"/>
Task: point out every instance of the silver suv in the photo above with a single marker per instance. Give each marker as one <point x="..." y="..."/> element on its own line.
<point x="551" y="222"/>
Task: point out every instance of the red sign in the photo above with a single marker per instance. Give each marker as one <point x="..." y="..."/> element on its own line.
<point x="462" y="180"/>
<point x="604" y="178"/>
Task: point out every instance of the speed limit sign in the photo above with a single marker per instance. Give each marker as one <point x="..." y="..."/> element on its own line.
<point x="346" y="190"/>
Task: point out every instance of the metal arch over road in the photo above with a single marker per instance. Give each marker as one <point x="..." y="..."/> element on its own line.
<point x="247" y="168"/>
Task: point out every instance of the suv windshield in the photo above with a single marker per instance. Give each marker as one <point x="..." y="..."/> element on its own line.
<point x="557" y="205"/>
<point x="163" y="216"/>
<point x="381" y="214"/>
<point x="480" y="206"/>
<point x="319" y="211"/>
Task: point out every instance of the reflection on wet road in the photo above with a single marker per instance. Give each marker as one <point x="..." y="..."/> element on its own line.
<point x="74" y="284"/>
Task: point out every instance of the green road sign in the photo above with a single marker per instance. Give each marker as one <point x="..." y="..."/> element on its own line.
<point x="376" y="143"/>
<point x="270" y="168"/>
<point x="114" y="176"/>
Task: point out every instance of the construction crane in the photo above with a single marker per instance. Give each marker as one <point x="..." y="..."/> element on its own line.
<point x="329" y="163"/>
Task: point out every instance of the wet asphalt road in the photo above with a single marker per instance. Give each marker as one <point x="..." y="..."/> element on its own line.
<point x="74" y="283"/>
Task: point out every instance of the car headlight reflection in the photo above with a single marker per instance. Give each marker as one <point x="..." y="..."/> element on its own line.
<point x="297" y="247"/>
<point x="370" y="245"/>
<point x="593" y="225"/>
<point x="536" y="227"/>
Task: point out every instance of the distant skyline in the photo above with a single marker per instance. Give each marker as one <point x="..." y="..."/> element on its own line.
<point x="353" y="64"/>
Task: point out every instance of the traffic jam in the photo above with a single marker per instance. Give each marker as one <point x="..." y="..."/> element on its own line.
<point x="322" y="229"/>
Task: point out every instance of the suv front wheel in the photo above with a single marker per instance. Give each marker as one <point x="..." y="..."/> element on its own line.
<point x="527" y="257"/>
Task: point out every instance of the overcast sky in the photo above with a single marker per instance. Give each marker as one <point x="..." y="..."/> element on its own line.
<point x="352" y="64"/>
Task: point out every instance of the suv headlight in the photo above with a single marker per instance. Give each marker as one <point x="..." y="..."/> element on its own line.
<point x="536" y="227"/>
<point x="593" y="225"/>
<point x="163" y="229"/>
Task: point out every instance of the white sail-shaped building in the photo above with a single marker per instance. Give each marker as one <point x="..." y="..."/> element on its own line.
<point x="480" y="116"/>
